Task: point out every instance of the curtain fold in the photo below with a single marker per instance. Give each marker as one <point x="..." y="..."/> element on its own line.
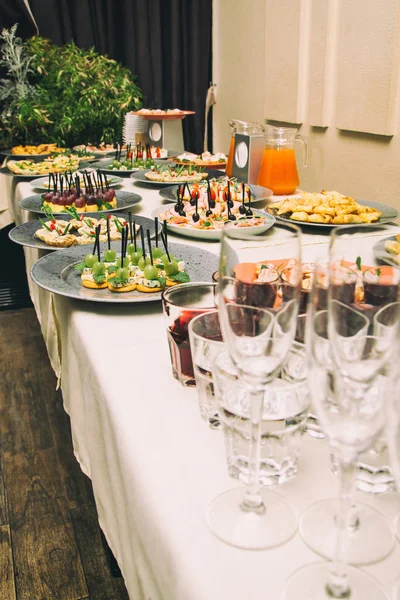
<point x="166" y="43"/>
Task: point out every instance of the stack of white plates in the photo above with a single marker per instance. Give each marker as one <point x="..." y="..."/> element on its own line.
<point x="133" y="124"/>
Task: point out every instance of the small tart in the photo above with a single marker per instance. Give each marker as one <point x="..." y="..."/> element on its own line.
<point x="88" y="283"/>
<point x="171" y="282"/>
<point x="147" y="290"/>
<point x="124" y="288"/>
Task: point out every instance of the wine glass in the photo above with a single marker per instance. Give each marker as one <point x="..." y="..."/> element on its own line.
<point x="258" y="315"/>
<point x="365" y="522"/>
<point x="348" y="390"/>
<point x="393" y="414"/>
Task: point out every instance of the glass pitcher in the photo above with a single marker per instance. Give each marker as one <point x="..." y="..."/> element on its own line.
<point x="278" y="170"/>
<point x="240" y="127"/>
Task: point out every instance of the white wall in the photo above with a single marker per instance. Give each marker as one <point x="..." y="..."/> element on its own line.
<point x="329" y="66"/>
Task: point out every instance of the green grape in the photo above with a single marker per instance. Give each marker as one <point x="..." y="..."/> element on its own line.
<point x="99" y="268"/>
<point x="123" y="273"/>
<point x="156" y="252"/>
<point x="110" y="255"/>
<point x="165" y="259"/>
<point x="130" y="248"/>
<point x="90" y="259"/>
<point x="126" y="262"/>
<point x="171" y="267"/>
<point x="142" y="262"/>
<point x="135" y="256"/>
<point x="150" y="272"/>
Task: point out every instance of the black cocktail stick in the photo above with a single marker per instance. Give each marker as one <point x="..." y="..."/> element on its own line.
<point x="108" y="234"/>
<point x="142" y="240"/>
<point x="156" y="229"/>
<point x="165" y="246"/>
<point x="134" y="237"/>
<point x="149" y="244"/>
<point x="196" y="216"/>
<point x="242" y="208"/>
<point x="249" y="212"/>
<point x="130" y="226"/>
<point x="98" y="228"/>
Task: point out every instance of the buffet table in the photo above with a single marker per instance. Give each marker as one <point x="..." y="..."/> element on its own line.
<point x="154" y="464"/>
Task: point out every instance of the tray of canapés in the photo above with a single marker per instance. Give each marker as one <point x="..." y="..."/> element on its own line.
<point x="67" y="193"/>
<point x="330" y="209"/>
<point x="122" y="272"/>
<point x="55" y="163"/>
<point x="31" y="150"/>
<point x="205" y="216"/>
<point x="207" y="159"/>
<point x="169" y="114"/>
<point x="167" y="174"/>
<point x="136" y="158"/>
<point x="51" y="232"/>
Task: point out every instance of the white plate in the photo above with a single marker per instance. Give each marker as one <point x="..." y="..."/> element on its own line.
<point x="214" y="234"/>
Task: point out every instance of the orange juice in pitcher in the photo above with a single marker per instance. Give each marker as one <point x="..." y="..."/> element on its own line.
<point x="278" y="170"/>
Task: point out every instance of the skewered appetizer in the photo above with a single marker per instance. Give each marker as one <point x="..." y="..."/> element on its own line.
<point x="96" y="176"/>
<point x="210" y="214"/>
<point x="94" y="199"/>
<point x="59" y="164"/>
<point x="327" y="207"/>
<point x="167" y="174"/>
<point x="145" y="270"/>
<point x="59" y="233"/>
<point x="93" y="148"/>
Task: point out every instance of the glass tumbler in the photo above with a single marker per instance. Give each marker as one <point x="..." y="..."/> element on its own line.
<point x="206" y="343"/>
<point x="285" y="410"/>
<point x="181" y="304"/>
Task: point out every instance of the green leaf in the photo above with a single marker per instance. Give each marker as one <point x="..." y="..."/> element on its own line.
<point x="162" y="281"/>
<point x="45" y="225"/>
<point x="358" y="262"/>
<point x="80" y="266"/>
<point x="180" y="276"/>
<point x="99" y="278"/>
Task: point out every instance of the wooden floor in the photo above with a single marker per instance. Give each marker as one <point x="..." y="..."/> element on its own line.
<point x="50" y="543"/>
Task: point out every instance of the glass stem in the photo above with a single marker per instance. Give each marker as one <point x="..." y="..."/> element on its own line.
<point x="252" y="501"/>
<point x="338" y="583"/>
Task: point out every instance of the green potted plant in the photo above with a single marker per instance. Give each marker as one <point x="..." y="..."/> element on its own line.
<point x="61" y="94"/>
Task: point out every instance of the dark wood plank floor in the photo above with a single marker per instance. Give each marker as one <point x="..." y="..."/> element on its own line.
<point x="50" y="540"/>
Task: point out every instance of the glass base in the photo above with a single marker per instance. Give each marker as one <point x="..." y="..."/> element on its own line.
<point x="249" y="530"/>
<point x="309" y="583"/>
<point x="317" y="528"/>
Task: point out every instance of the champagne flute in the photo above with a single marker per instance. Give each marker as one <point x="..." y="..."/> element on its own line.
<point x="393" y="418"/>
<point x="365" y="522"/>
<point x="349" y="397"/>
<point x="258" y="321"/>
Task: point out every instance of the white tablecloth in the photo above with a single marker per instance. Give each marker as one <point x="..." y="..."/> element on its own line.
<point x="154" y="464"/>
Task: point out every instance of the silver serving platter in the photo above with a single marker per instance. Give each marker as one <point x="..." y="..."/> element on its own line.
<point x="382" y="254"/>
<point x="388" y="214"/>
<point x="55" y="273"/>
<point x="24" y="234"/>
<point x="214" y="234"/>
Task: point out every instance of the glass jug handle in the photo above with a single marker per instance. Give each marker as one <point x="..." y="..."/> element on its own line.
<point x="305" y="149"/>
